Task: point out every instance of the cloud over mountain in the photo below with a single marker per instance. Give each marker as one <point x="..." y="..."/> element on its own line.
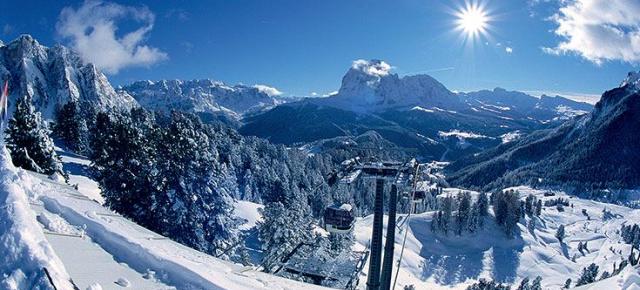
<point x="598" y="30"/>
<point x="91" y="31"/>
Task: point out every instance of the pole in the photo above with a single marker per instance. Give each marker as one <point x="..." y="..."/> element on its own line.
<point x="387" y="263"/>
<point x="373" y="279"/>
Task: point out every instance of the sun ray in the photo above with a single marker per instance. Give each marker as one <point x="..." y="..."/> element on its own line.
<point x="472" y="21"/>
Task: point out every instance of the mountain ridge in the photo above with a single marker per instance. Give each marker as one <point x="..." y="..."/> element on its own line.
<point x="594" y="150"/>
<point x="53" y="76"/>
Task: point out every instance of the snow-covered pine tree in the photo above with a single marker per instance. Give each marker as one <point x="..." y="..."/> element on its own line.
<point x="447" y="212"/>
<point x="482" y="205"/>
<point x="537" y="283"/>
<point x="28" y="141"/>
<point x="464" y="212"/>
<point x="530" y="205"/>
<point x="507" y="210"/>
<point x="124" y="161"/>
<point x="195" y="199"/>
<point x="284" y="226"/>
<point x="524" y="284"/>
<point x="589" y="275"/>
<point x="287" y="219"/>
<point x="484" y="284"/>
<point x="560" y="233"/>
<point x="71" y="128"/>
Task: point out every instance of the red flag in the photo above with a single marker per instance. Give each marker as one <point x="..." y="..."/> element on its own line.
<point x="3" y="100"/>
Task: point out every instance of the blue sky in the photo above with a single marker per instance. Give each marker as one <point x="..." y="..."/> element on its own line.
<point x="305" y="47"/>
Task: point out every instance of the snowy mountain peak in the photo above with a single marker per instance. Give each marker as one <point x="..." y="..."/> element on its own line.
<point x="54" y="76"/>
<point x="370" y="86"/>
<point x="632" y="80"/>
<point x="203" y="96"/>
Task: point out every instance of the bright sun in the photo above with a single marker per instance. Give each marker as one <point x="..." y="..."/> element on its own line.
<point x="472" y="20"/>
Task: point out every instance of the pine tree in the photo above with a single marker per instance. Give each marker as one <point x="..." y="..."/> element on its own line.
<point x="483" y="208"/>
<point x="560" y="233"/>
<point x="524" y="284"/>
<point x="530" y="205"/>
<point x="281" y="230"/>
<point x="539" y="207"/>
<point x="196" y="196"/>
<point x="447" y="211"/>
<point x="28" y="140"/>
<point x="589" y="275"/>
<point x="464" y="212"/>
<point x="567" y="284"/>
<point x="537" y="283"/>
<point x="71" y="128"/>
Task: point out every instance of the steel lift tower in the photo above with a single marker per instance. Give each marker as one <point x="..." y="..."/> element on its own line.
<point x="381" y="172"/>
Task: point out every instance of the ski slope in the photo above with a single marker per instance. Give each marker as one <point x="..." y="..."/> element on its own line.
<point x="98" y="245"/>
<point x="450" y="262"/>
<point x="48" y="224"/>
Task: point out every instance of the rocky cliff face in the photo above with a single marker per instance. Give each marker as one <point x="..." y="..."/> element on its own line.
<point x="53" y="76"/>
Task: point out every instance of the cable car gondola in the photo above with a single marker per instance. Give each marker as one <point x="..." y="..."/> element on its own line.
<point x="419" y="196"/>
<point x="339" y="219"/>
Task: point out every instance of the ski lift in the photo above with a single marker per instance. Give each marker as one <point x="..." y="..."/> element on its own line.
<point x="381" y="170"/>
<point x="339" y="219"/>
<point x="419" y="196"/>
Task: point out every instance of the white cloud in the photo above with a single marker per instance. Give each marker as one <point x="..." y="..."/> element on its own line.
<point x="508" y="49"/>
<point x="271" y="91"/>
<point x="374" y="67"/>
<point x="598" y="30"/>
<point x="91" y="31"/>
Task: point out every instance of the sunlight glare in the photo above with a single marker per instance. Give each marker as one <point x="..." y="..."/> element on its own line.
<point x="472" y="20"/>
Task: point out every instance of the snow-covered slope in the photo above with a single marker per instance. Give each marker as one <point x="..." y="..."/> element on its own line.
<point x="54" y="76"/>
<point x="203" y="96"/>
<point x="435" y="261"/>
<point x="25" y="251"/>
<point x="101" y="246"/>
<point x="597" y="149"/>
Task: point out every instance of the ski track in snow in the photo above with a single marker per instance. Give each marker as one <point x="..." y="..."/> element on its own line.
<point x="146" y="260"/>
<point x="136" y="252"/>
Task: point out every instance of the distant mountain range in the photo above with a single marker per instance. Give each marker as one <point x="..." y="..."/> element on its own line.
<point x="412" y="111"/>
<point x="596" y="150"/>
<point x="53" y="76"/>
<point x="208" y="98"/>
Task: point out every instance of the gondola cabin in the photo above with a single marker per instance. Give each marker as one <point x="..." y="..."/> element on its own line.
<point x="339" y="219"/>
<point x="419" y="196"/>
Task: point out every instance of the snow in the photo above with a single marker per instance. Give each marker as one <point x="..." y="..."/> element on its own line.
<point x="418" y="108"/>
<point x="632" y="79"/>
<point x="461" y="134"/>
<point x="68" y="233"/>
<point x="24" y="249"/>
<point x="248" y="211"/>
<point x="77" y="167"/>
<point x="346" y="206"/>
<point x="629" y="279"/>
<point x="449" y="262"/>
<point x="511" y="136"/>
<point x="568" y="112"/>
<point x="94" y="286"/>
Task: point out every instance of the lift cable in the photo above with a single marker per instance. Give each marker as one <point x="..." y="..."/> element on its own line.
<point x="406" y="222"/>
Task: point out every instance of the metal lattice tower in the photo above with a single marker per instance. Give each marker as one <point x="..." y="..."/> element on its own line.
<point x="387" y="264"/>
<point x="373" y="276"/>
